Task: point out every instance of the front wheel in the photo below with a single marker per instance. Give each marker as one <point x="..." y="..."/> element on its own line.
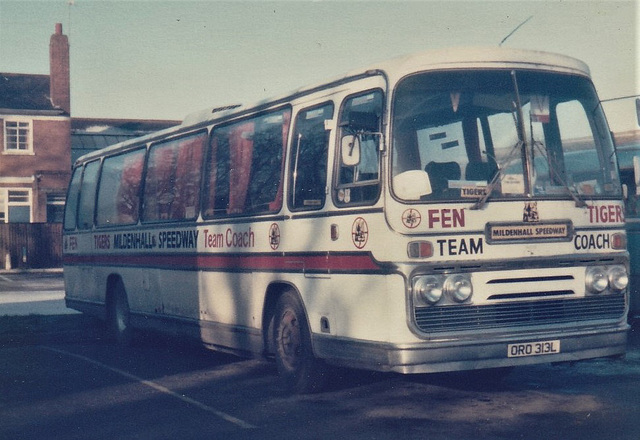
<point x="298" y="369"/>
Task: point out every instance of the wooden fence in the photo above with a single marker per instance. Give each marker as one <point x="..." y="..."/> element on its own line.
<point x="30" y="245"/>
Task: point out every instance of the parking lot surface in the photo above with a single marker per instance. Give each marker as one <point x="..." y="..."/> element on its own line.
<point x="60" y="379"/>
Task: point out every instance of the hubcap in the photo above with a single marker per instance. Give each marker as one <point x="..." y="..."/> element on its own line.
<point x="290" y="338"/>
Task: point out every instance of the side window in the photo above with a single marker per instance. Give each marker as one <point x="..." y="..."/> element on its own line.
<point x="71" y="205"/>
<point x="576" y="136"/>
<point x="217" y="172"/>
<point x="87" y="200"/>
<point x="119" y="191"/>
<point x="244" y="166"/>
<point x="172" y="182"/>
<point x="308" y="165"/>
<point x="358" y="169"/>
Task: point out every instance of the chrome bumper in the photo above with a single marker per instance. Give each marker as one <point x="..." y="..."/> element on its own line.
<point x="458" y="355"/>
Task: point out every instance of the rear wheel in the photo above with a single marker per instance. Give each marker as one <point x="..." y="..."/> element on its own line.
<point x="298" y="369"/>
<point x="118" y="315"/>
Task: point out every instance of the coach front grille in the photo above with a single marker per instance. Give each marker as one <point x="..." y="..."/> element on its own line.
<point x="438" y="319"/>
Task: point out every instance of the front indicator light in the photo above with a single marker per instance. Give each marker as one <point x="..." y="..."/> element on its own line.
<point x="619" y="241"/>
<point x="618" y="278"/>
<point x="458" y="287"/>
<point x="420" y="249"/>
<point x="596" y="280"/>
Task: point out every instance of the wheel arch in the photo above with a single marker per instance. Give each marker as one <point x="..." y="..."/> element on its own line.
<point x="110" y="289"/>
<point x="274" y="291"/>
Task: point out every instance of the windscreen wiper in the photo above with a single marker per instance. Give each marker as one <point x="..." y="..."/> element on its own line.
<point x="573" y="192"/>
<point x="497" y="178"/>
<point x="522" y="136"/>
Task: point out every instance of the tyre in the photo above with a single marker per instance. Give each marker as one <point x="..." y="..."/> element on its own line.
<point x="118" y="316"/>
<point x="299" y="370"/>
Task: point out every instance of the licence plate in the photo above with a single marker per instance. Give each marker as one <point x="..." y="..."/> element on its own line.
<point x="533" y="348"/>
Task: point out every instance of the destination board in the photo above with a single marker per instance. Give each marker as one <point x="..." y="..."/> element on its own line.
<point x="528" y="231"/>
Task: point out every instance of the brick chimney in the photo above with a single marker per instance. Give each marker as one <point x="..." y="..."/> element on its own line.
<point x="60" y="88"/>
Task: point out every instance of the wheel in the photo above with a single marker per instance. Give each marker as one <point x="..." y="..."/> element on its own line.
<point x="298" y="369"/>
<point x="118" y="316"/>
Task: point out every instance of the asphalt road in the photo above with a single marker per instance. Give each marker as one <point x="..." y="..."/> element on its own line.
<point x="74" y="385"/>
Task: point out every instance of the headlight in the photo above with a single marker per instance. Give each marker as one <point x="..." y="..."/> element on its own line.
<point x="618" y="278"/>
<point x="428" y="289"/>
<point x="458" y="287"/>
<point x="596" y="279"/>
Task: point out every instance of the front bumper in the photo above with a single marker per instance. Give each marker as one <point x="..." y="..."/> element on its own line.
<point x="458" y="355"/>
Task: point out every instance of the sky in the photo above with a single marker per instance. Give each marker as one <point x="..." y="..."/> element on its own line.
<point x="165" y="59"/>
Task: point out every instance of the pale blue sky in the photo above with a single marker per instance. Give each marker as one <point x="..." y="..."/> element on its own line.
<point x="165" y="59"/>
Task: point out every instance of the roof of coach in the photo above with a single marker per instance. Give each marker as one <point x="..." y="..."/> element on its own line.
<point x="394" y="69"/>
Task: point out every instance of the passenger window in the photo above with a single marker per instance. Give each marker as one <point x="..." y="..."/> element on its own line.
<point x="71" y="205"/>
<point x="358" y="177"/>
<point x="119" y="191"/>
<point x="244" y="166"/>
<point x="172" y="182"/>
<point x="308" y="165"/>
<point x="217" y="171"/>
<point x="88" y="195"/>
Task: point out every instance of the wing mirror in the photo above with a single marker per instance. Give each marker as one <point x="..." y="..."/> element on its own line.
<point x="350" y="148"/>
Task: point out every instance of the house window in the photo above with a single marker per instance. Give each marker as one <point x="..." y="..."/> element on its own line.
<point x="18" y="136"/>
<point x="55" y="208"/>
<point x="3" y="208"/>
<point x="19" y="206"/>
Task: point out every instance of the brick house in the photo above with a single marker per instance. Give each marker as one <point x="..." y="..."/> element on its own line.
<point x="39" y="138"/>
<point x="35" y="130"/>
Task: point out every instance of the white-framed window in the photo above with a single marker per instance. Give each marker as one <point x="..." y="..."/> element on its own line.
<point x="18" y="136"/>
<point x="15" y="205"/>
<point x="3" y="207"/>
